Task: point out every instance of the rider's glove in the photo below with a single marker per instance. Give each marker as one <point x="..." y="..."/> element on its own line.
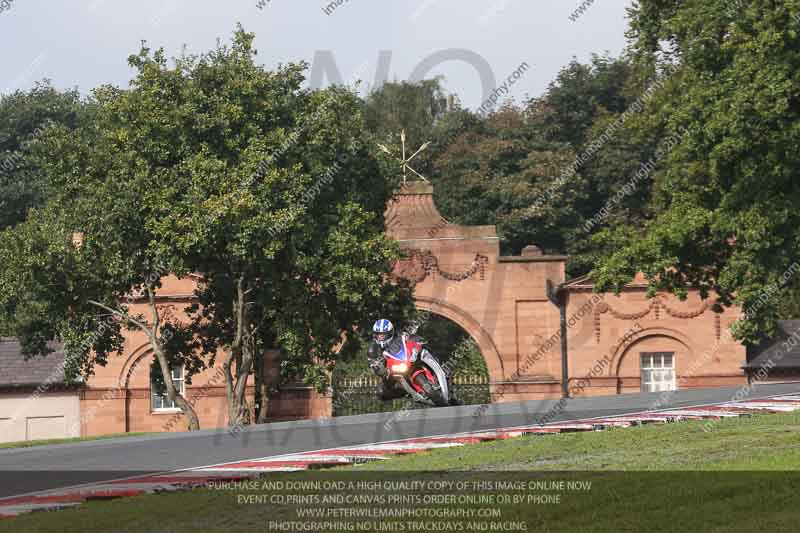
<point x="378" y="367"/>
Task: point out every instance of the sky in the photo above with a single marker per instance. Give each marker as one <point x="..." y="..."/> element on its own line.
<point x="477" y="45"/>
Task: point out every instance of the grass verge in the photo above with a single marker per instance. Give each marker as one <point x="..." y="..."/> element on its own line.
<point x="738" y="475"/>
<point x="46" y="442"/>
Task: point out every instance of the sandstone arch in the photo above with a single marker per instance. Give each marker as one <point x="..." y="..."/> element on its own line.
<point x="502" y="302"/>
<point x="662" y="339"/>
<point x="491" y="355"/>
<point x="132" y="363"/>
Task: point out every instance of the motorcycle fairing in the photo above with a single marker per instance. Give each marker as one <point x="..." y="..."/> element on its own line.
<point x="409" y="352"/>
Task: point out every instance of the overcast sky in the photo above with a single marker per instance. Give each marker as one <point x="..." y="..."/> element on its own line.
<point x="85" y="43"/>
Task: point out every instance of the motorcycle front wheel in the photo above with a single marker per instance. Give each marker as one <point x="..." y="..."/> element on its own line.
<point x="432" y="392"/>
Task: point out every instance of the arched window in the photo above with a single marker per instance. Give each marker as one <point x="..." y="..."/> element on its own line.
<point x="159" y="401"/>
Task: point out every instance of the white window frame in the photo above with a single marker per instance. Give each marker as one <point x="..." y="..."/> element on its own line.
<point x="657" y="371"/>
<point x="165" y="404"/>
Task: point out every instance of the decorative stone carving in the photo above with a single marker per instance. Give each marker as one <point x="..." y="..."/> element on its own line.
<point x="687" y="314"/>
<point x="413" y="268"/>
<point x="419" y="264"/>
<point x="656" y="305"/>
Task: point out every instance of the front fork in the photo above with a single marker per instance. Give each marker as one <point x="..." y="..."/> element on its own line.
<point x="438" y="371"/>
<point x="417" y="397"/>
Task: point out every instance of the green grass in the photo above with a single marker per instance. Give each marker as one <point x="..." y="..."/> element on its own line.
<point x="45" y="442"/>
<point x="741" y="476"/>
<point x="764" y="442"/>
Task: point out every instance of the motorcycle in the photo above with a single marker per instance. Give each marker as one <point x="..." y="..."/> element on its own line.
<point x="418" y="372"/>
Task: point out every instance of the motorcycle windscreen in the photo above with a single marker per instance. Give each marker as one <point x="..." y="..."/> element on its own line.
<point x="401" y="356"/>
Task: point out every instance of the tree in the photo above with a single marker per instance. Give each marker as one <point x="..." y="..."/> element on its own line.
<point x="77" y="266"/>
<point x="519" y="167"/>
<point x="580" y="94"/>
<point x="494" y="174"/>
<point x="23" y="117"/>
<point x="593" y="107"/>
<point x="514" y="168"/>
<point x="467" y="360"/>
<point x="422" y="110"/>
<point x="414" y="107"/>
<point x="290" y="246"/>
<point x="724" y="202"/>
<point x="214" y="167"/>
<point x="37" y="297"/>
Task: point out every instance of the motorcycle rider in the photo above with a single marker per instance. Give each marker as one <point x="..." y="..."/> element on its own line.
<point x="384" y="339"/>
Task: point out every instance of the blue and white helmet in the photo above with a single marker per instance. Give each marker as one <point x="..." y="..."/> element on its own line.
<point x="382" y="332"/>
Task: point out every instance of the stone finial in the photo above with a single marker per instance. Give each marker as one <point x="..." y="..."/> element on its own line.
<point x="532" y="251"/>
<point x="413" y="206"/>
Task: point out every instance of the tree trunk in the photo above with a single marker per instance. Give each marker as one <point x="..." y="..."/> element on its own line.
<point x="163" y="363"/>
<point x="262" y="390"/>
<point x="172" y="392"/>
<point x="158" y="348"/>
<point x="235" y="389"/>
<point x="239" y="405"/>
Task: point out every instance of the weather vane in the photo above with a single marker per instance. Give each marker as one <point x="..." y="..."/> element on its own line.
<point x="404" y="161"/>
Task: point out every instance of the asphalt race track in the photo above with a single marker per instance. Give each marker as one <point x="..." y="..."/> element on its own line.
<point x="49" y="467"/>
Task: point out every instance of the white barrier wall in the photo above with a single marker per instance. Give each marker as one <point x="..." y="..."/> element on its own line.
<point x="49" y="416"/>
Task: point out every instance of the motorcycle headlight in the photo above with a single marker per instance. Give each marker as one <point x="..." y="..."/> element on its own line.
<point x="400" y="368"/>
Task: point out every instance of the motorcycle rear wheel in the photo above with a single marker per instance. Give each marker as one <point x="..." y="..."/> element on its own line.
<point x="432" y="392"/>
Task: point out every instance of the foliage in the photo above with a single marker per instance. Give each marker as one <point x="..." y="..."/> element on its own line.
<point x="23" y="117"/>
<point x="413" y="107"/>
<point x="495" y="172"/>
<point x="725" y="218"/>
<point x="511" y="168"/>
<point x="468" y="360"/>
<point x="106" y="190"/>
<point x="441" y="335"/>
<point x="215" y="167"/>
<point x="580" y="94"/>
<point x="290" y="246"/>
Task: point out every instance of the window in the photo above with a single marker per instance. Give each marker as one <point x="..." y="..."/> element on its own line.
<point x="658" y="371"/>
<point x="158" y="390"/>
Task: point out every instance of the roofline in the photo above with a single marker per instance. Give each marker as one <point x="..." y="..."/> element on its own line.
<point x="531" y="258"/>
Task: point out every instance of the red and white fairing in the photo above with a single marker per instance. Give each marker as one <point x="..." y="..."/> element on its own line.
<point x="409" y="356"/>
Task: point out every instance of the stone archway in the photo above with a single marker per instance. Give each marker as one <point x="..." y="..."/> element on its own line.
<point x="501" y="301"/>
<point x="491" y="355"/>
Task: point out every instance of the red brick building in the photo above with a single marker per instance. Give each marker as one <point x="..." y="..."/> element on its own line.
<point x="631" y="343"/>
<point x="513" y="306"/>
<point x="541" y="335"/>
<point x="122" y="397"/>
